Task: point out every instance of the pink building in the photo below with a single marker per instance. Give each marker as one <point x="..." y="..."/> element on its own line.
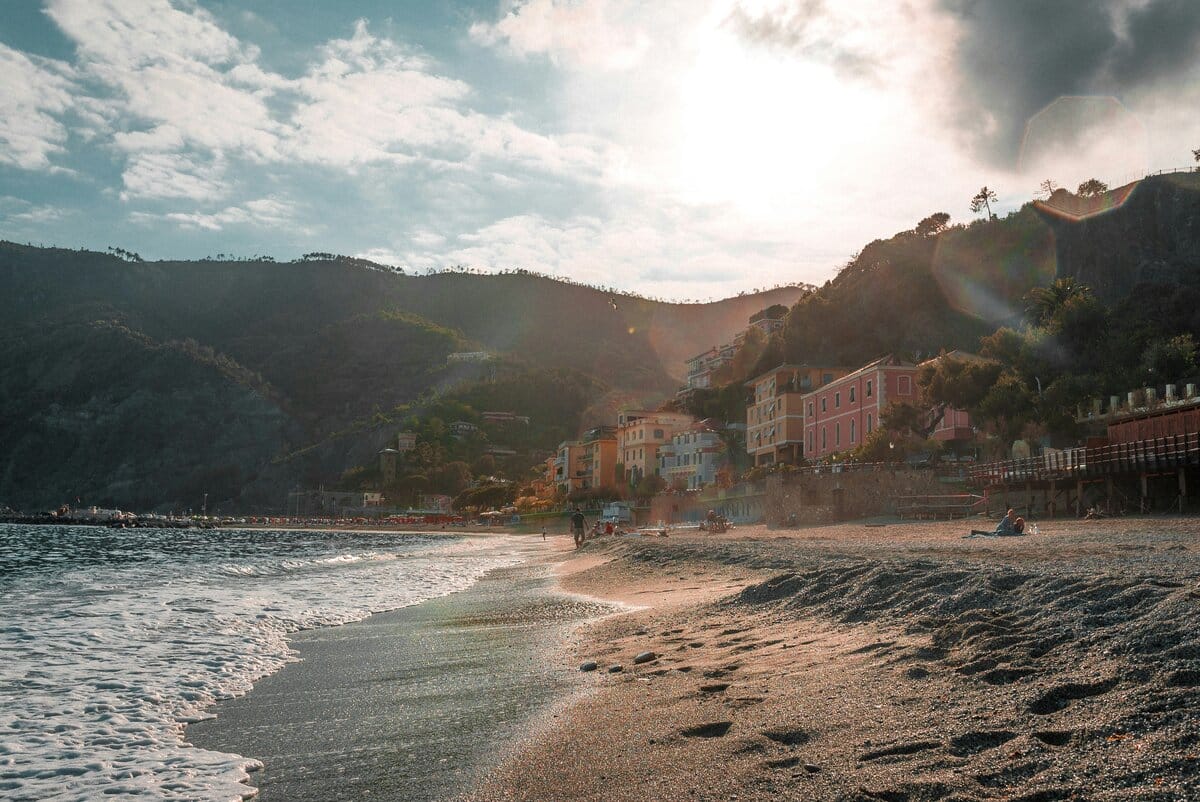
<point x="840" y="415"/>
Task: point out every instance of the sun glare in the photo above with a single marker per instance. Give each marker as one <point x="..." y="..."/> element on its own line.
<point x="760" y="129"/>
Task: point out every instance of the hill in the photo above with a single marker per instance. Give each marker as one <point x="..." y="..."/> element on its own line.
<point x="340" y="349"/>
<point x="920" y="292"/>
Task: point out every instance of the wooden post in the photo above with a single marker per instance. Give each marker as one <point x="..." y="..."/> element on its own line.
<point x="1029" y="498"/>
<point x="1182" y="489"/>
<point x="1108" y="493"/>
<point x="1145" y="483"/>
<point x="1079" y="499"/>
<point x="1053" y="502"/>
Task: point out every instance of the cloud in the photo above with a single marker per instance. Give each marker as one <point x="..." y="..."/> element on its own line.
<point x="587" y="33"/>
<point x="188" y="100"/>
<point x="811" y="30"/>
<point x="36" y="92"/>
<point x="172" y="175"/>
<point x="656" y="248"/>
<point x="1015" y="58"/>
<point x="263" y="212"/>
<point x="21" y="212"/>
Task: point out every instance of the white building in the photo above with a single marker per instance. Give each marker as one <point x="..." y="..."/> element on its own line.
<point x="692" y="457"/>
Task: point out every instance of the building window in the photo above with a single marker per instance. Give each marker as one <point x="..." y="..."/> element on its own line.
<point x="851" y="395"/>
<point x="869" y="429"/>
<point x="837" y="434"/>
<point x="810" y="442"/>
<point x="823" y="400"/>
<point x="810" y="409"/>
<point x="658" y="434"/>
<point x="827" y="378"/>
<point x="869" y="388"/>
<point x="904" y="386"/>
<point x="824" y="439"/>
<point x="837" y="400"/>
<point x="851" y="431"/>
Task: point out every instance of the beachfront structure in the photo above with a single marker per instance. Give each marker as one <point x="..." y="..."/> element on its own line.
<point x="700" y="367"/>
<point x="331" y="502"/>
<point x="692" y="457"/>
<point x="775" y="419"/>
<point x="569" y="469"/>
<point x="639" y="436"/>
<point x="406" y="441"/>
<point x="600" y="457"/>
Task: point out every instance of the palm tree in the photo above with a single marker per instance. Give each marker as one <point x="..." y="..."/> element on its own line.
<point x="1043" y="303"/>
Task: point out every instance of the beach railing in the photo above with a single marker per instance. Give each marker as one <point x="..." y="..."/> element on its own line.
<point x="955" y="505"/>
<point x="1140" y="456"/>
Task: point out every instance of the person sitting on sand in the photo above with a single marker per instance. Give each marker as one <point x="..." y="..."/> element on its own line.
<point x="1007" y="526"/>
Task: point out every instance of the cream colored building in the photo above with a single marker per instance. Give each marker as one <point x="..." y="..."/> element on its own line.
<point x="639" y="436"/>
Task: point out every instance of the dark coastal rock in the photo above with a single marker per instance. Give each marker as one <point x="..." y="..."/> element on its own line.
<point x="615" y="669"/>
<point x="589" y="666"/>
<point x="644" y="657"/>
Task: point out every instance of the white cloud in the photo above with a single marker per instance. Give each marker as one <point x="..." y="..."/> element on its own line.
<point x="587" y="33"/>
<point x="172" y="175"/>
<point x="262" y="212"/>
<point x="186" y="99"/>
<point x="135" y="33"/>
<point x="34" y="92"/>
<point x="21" y="212"/>
<point x="658" y="248"/>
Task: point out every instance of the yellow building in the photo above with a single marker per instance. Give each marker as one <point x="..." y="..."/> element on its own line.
<point x="600" y="457"/>
<point x="570" y="472"/>
<point x="775" y="417"/>
<point x="639" y="436"/>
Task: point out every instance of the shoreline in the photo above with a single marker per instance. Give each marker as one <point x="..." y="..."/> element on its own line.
<point x="901" y="662"/>
<point x="410" y="703"/>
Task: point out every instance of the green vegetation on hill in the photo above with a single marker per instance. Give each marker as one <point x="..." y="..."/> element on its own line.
<point x="335" y="346"/>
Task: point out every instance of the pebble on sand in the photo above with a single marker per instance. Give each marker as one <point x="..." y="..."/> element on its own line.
<point x="588" y="666"/>
<point x="644" y="657"/>
<point x="615" y="669"/>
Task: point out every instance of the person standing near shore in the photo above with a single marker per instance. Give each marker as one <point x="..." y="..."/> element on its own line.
<point x="543" y="533"/>
<point x="578" y="522"/>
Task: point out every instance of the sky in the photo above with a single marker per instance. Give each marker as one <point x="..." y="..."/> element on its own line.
<point x="683" y="149"/>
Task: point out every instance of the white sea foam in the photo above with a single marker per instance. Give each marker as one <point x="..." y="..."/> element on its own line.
<point x="112" y="642"/>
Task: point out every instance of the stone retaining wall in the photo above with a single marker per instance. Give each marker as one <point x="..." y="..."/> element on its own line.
<point x="814" y="498"/>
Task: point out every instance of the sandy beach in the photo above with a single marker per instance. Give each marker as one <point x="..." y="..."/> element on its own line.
<point x="899" y="662"/>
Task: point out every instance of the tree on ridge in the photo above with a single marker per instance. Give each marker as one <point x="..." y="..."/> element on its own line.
<point x="983" y="199"/>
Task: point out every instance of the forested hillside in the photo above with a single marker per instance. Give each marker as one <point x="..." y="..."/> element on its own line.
<point x="341" y="350"/>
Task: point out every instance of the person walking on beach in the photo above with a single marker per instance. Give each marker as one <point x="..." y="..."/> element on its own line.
<point x="543" y="533"/>
<point x="578" y="522"/>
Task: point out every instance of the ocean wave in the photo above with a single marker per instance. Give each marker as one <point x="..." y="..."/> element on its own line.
<point x="97" y="686"/>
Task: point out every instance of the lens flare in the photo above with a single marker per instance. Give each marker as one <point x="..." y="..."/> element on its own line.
<point x="984" y="270"/>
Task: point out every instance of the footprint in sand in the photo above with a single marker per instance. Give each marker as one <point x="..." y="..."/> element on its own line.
<point x="899" y="750"/>
<point x="1060" y="697"/>
<point x="974" y="742"/>
<point x="787" y="736"/>
<point x="714" y="729"/>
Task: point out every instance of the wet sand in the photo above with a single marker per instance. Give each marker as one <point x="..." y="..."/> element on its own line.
<point x="408" y="705"/>
<point x="897" y="663"/>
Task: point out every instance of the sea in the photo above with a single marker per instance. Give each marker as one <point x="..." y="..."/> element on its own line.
<point x="112" y="640"/>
